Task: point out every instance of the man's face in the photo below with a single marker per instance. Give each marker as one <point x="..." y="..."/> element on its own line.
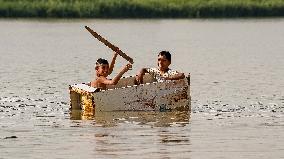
<point x="163" y="63"/>
<point x="102" y="70"/>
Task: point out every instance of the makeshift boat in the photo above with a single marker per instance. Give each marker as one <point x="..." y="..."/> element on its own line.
<point x="126" y="96"/>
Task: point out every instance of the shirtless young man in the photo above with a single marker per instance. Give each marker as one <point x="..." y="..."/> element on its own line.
<point x="103" y="70"/>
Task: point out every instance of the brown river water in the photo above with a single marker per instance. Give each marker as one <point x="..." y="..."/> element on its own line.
<point x="237" y="89"/>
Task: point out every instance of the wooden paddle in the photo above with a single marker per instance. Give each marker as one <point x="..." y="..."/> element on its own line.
<point x="110" y="45"/>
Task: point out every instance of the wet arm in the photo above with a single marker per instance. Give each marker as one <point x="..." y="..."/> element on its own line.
<point x="117" y="77"/>
<point x="112" y="63"/>
<point x="176" y="77"/>
<point x="139" y="76"/>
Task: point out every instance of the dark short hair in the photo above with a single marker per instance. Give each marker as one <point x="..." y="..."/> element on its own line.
<point x="167" y="54"/>
<point x="101" y="61"/>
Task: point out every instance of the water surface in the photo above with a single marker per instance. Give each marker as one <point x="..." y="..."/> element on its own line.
<point x="237" y="88"/>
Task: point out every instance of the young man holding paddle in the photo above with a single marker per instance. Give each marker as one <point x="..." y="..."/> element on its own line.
<point x="103" y="69"/>
<point x="163" y="72"/>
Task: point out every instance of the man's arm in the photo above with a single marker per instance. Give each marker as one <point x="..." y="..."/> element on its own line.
<point x="176" y="77"/>
<point x="117" y="77"/>
<point x="112" y="63"/>
<point x="139" y="76"/>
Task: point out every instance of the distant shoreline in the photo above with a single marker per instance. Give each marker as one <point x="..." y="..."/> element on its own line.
<point x="141" y="8"/>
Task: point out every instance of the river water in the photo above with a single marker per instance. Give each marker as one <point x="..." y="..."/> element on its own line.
<point x="237" y="89"/>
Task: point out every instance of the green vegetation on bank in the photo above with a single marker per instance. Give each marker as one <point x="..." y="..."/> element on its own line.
<point x="141" y="8"/>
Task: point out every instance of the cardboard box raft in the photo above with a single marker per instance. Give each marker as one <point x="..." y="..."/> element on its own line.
<point x="125" y="96"/>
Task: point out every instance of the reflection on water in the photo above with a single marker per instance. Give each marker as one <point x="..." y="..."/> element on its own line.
<point x="157" y="119"/>
<point x="131" y="134"/>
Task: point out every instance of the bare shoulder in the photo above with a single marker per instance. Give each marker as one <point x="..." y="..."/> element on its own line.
<point x="99" y="83"/>
<point x="101" y="79"/>
<point x="104" y="81"/>
<point x="94" y="83"/>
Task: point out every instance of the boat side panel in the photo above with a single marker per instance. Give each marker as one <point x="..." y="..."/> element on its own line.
<point x="151" y="96"/>
<point x="81" y="96"/>
<point x="75" y="100"/>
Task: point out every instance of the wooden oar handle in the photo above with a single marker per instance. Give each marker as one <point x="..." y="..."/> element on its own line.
<point x="110" y="45"/>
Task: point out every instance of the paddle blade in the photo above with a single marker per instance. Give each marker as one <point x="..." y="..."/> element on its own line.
<point x="110" y="45"/>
